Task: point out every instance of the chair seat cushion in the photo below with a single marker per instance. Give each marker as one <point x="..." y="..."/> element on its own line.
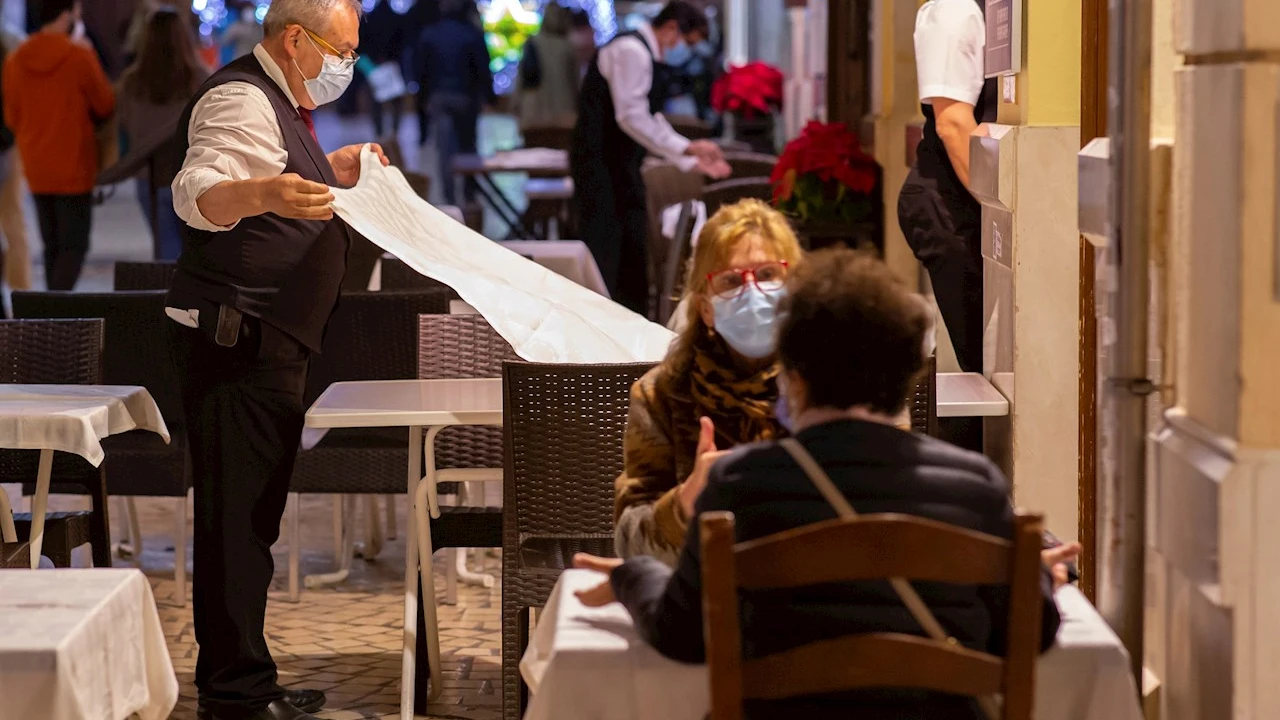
<point x="467" y="527"/>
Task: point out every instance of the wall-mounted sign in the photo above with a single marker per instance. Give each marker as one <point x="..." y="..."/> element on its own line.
<point x="1004" y="37"/>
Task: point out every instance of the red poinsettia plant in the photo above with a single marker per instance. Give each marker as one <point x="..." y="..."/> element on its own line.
<point x="750" y="90"/>
<point x="823" y="176"/>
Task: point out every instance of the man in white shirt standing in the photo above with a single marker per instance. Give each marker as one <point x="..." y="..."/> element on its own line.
<point x="939" y="217"/>
<point x="619" y="122"/>
<point x="262" y="262"/>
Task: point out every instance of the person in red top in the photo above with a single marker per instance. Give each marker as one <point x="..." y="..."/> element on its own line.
<point x="55" y="92"/>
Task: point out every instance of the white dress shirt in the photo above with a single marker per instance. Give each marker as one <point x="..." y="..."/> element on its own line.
<point x="233" y="135"/>
<point x="950" y="40"/>
<point x="628" y="68"/>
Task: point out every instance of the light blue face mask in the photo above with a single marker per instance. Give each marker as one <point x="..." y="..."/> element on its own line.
<point x="748" y="320"/>
<point x="678" y="55"/>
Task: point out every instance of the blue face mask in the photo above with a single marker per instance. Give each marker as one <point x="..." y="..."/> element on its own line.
<point x="747" y="321"/>
<point x="678" y="55"/>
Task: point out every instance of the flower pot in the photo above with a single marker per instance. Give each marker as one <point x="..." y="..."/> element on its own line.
<point x="818" y="235"/>
<point x="757" y="132"/>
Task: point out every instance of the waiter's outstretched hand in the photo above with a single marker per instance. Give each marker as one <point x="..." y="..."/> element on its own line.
<point x="346" y="162"/>
<point x="292" y="196"/>
<point x="714" y="169"/>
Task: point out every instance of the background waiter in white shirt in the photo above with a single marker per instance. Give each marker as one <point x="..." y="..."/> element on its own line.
<point x="259" y="276"/>
<point x="618" y="122"/>
<point x="939" y="217"/>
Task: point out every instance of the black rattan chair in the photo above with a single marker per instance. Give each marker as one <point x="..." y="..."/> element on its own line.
<point x="562" y="445"/>
<point x="58" y="352"/>
<point x="143" y="275"/>
<point x="397" y="275"/>
<point x="750" y="164"/>
<point x="139" y="463"/>
<point x="371" y="336"/>
<point x="924" y="407"/>
<point x="665" y="185"/>
<point x="728" y="192"/>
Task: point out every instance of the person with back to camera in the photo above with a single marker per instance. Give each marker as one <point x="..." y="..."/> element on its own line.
<point x="849" y="346"/>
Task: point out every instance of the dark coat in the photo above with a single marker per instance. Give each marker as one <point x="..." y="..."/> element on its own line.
<point x="880" y="469"/>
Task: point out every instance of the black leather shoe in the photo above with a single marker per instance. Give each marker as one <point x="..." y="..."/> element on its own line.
<point x="277" y="710"/>
<point x="308" y="701"/>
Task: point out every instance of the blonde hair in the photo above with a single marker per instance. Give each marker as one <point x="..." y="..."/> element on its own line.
<point x="716" y="244"/>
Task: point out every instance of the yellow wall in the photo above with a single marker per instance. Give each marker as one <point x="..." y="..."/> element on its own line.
<point x="1048" y="88"/>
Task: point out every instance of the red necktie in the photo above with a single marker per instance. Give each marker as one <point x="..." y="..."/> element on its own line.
<point x="305" y="114"/>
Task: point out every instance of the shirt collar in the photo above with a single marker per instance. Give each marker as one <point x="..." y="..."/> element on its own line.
<point x="650" y="39"/>
<point x="274" y="72"/>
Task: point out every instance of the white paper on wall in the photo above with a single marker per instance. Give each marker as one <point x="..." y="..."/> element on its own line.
<point x="545" y="316"/>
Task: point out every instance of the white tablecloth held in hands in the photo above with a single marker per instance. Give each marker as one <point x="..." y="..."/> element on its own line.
<point x="545" y="316"/>
<point x="82" y="645"/>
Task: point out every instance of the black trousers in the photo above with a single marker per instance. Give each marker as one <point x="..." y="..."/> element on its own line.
<point x="946" y="238"/>
<point x="65" y="223"/>
<point x="614" y="223"/>
<point x="243" y="409"/>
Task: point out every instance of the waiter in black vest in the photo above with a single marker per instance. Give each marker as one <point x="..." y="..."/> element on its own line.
<point x="619" y="121"/>
<point x="938" y="215"/>
<point x="262" y="262"/>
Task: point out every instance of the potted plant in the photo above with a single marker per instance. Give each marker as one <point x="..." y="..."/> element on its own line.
<point x="830" y="188"/>
<point x="751" y="94"/>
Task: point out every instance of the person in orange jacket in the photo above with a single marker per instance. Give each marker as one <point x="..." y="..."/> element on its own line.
<point x="55" y="93"/>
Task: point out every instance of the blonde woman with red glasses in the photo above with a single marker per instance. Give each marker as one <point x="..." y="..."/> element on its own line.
<point x="717" y="387"/>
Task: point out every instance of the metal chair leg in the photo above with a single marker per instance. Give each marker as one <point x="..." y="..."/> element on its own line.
<point x="294" y="512"/>
<point x="391" y="516"/>
<point x="179" y="549"/>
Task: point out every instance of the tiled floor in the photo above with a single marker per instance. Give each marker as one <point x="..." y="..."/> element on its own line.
<point x="344" y="639"/>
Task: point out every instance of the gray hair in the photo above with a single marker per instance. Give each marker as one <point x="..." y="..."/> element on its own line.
<point x="310" y="14"/>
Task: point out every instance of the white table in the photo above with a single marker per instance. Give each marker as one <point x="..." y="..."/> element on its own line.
<point x="591" y="663"/>
<point x="82" y="644"/>
<point x="570" y="258"/>
<point x="429" y="405"/>
<point x="66" y="418"/>
<point x="969" y="395"/>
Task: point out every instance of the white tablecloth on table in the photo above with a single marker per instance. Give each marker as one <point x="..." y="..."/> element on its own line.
<point x="545" y="316"/>
<point x="82" y="645"/>
<point x="74" y="418"/>
<point x="569" y="258"/>
<point x="524" y="159"/>
<point x="590" y="663"/>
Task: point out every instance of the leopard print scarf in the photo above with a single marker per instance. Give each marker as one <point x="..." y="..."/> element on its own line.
<point x="740" y="406"/>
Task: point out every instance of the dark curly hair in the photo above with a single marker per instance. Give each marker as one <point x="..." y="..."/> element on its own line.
<point x="852" y="331"/>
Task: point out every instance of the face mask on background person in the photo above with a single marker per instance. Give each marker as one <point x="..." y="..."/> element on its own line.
<point x="335" y="75"/>
<point x="678" y="54"/>
<point x="747" y="320"/>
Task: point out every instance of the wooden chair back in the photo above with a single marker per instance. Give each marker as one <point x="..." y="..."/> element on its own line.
<point x="889" y="545"/>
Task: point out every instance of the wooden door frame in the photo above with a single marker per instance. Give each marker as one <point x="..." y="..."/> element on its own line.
<point x="1093" y="124"/>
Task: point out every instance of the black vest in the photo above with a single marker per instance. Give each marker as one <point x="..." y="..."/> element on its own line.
<point x="597" y="137"/>
<point x="286" y="272"/>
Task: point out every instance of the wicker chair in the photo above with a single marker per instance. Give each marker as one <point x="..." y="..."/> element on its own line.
<point x="156" y="275"/>
<point x="139" y="463"/>
<point x="58" y="352"/>
<point x="562" y="445"/>
<point x="371" y="336"/>
<point x="397" y="275"/>
<point x="750" y="164"/>
<point x="728" y="192"/>
<point x="665" y="184"/>
<point x="692" y="127"/>
<point x="674" y="271"/>
<point x="924" y="407"/>
<point x="453" y="347"/>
